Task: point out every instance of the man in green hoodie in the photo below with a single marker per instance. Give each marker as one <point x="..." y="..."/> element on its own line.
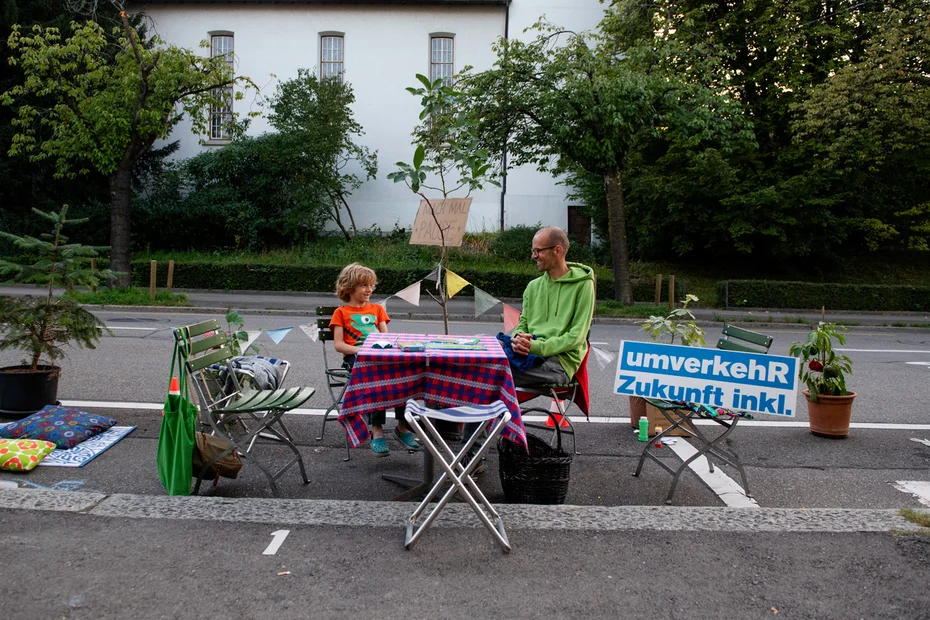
<point x="557" y="311"/>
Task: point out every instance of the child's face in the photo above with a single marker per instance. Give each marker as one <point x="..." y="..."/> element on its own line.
<point x="361" y="294"/>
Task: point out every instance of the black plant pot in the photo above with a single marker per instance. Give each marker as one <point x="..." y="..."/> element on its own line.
<point x="24" y="391"/>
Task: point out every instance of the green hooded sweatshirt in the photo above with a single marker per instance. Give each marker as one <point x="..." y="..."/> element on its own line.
<point x="558" y="313"/>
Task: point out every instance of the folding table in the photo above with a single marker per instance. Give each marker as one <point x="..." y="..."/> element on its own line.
<point x="383" y="378"/>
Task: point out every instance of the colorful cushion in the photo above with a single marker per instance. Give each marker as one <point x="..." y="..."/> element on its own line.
<point x="23" y="454"/>
<point x="65" y="428"/>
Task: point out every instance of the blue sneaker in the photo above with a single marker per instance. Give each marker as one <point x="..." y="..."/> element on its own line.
<point x="408" y="439"/>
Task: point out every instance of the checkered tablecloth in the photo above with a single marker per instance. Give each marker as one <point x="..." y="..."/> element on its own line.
<point x="384" y="378"/>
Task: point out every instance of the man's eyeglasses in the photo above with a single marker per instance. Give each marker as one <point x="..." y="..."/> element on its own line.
<point x="536" y="251"/>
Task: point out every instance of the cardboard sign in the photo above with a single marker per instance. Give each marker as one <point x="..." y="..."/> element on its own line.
<point x="452" y="214"/>
<point x="732" y="379"/>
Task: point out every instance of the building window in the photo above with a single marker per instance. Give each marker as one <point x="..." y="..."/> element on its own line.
<point x="331" y="56"/>
<point x="440" y="59"/>
<point x="221" y="45"/>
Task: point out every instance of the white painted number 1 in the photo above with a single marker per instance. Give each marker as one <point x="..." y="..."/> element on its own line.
<point x="277" y="538"/>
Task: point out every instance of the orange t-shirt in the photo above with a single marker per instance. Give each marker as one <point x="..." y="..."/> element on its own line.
<point x="357" y="323"/>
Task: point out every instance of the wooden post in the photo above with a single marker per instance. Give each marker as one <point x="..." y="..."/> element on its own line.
<point x="93" y="267"/>
<point x="170" y="274"/>
<point x="658" y="289"/>
<point x="152" y="269"/>
<point x="671" y="292"/>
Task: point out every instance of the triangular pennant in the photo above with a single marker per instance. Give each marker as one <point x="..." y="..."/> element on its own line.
<point x="454" y="283"/>
<point x="602" y="357"/>
<point x="434" y="274"/>
<point x="277" y="335"/>
<point x="484" y="302"/>
<point x="252" y="336"/>
<point x="383" y="302"/>
<point x="311" y="330"/>
<point x="511" y="318"/>
<point x="411" y="294"/>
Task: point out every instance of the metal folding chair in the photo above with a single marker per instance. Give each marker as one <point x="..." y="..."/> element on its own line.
<point x="237" y="417"/>
<point x="420" y="420"/>
<point x="681" y="415"/>
<point x="337" y="377"/>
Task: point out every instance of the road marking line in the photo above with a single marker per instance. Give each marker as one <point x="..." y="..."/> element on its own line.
<point x="148" y="329"/>
<point x="278" y="538"/>
<point x="926" y="442"/>
<point x="725" y="487"/>
<point x="918" y="363"/>
<point x="919" y="488"/>
<point x="880" y="351"/>
<point x="886" y="426"/>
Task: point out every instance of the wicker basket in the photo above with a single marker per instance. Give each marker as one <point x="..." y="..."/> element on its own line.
<point x="540" y="477"/>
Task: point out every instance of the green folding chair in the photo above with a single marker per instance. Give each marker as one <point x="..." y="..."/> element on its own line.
<point x="337" y="377"/>
<point x="240" y="415"/>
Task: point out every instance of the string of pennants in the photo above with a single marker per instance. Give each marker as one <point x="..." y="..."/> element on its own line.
<point x="411" y="294"/>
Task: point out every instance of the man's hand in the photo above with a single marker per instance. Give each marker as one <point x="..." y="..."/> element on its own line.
<point x="521" y="343"/>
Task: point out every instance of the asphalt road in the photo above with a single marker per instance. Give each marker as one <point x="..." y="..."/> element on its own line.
<point x="824" y="542"/>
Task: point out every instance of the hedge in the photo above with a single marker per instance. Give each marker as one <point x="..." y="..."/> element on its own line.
<point x="807" y="295"/>
<point x="322" y="278"/>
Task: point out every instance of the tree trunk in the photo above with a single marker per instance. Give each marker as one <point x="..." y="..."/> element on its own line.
<point x="619" y="248"/>
<point x="120" y="218"/>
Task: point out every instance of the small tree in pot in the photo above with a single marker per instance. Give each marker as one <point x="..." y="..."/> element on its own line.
<point x="42" y="326"/>
<point x="823" y="371"/>
<point x="680" y="324"/>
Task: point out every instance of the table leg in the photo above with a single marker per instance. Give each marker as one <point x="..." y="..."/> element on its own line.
<point x="416" y="487"/>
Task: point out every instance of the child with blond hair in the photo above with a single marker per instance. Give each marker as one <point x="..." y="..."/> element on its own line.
<point x="351" y="324"/>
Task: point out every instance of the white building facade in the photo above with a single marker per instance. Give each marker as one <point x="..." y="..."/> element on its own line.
<point x="378" y="46"/>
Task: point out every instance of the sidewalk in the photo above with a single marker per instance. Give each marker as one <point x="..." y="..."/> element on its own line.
<point x="462" y="309"/>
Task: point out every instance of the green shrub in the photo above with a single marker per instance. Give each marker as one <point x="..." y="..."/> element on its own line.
<point x="514" y="243"/>
<point x="807" y="295"/>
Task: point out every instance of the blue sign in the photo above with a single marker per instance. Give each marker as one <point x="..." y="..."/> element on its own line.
<point x="753" y="382"/>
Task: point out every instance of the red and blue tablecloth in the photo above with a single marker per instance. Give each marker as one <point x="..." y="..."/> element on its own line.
<point x="385" y="378"/>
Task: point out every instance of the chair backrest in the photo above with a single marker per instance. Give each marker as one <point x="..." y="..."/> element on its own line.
<point x="739" y="339"/>
<point x="204" y="348"/>
<point x="325" y="334"/>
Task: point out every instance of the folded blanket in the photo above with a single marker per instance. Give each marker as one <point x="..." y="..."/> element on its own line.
<point x="518" y="360"/>
<point x="266" y="376"/>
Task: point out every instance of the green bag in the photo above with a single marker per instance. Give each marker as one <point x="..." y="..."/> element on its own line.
<point x="176" y="440"/>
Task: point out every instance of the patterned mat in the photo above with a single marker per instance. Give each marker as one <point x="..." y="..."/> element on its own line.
<point x="86" y="451"/>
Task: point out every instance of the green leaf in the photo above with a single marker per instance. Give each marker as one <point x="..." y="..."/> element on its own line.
<point x="419" y="156"/>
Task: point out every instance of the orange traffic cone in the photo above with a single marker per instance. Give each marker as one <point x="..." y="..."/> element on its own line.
<point x="555" y="415"/>
<point x="173" y="388"/>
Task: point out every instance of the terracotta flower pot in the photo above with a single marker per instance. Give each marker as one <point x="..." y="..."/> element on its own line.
<point x="829" y="416"/>
<point x="637" y="410"/>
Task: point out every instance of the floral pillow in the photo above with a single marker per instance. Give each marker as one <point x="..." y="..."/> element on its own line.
<point x="65" y="428"/>
<point x="23" y="454"/>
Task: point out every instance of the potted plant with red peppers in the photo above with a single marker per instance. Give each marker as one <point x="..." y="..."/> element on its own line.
<point x="43" y="326"/>
<point x="823" y="371"/>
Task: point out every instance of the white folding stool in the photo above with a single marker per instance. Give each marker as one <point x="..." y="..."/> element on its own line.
<point x="420" y="420"/>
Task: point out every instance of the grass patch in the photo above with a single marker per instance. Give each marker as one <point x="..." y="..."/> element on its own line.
<point x="918" y="518"/>
<point x="133" y="296"/>
<point x="615" y="309"/>
<point x="800" y="320"/>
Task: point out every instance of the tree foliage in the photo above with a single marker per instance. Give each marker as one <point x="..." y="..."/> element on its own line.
<point x="588" y="103"/>
<point x="103" y="108"/>
<point x="319" y="132"/>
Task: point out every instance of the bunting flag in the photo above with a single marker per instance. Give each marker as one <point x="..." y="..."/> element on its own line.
<point x="252" y="336"/>
<point x="602" y="357"/>
<point x="277" y="335"/>
<point x="434" y="275"/>
<point x="311" y="330"/>
<point x="383" y="302"/>
<point x="484" y="302"/>
<point x="454" y="283"/>
<point x="511" y="318"/>
<point x="411" y="294"/>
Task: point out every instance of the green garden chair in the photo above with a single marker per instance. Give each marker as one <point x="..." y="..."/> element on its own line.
<point x="239" y="415"/>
